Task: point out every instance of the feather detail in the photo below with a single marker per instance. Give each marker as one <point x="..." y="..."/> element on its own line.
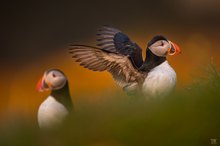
<point x="118" y="65"/>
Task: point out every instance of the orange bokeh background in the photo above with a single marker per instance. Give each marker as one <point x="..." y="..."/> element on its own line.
<point x="20" y="94"/>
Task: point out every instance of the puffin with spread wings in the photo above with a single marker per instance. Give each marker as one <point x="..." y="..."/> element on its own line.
<point x="119" y="55"/>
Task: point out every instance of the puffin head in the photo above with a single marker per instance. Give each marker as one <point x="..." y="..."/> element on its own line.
<point x="52" y="79"/>
<point x="161" y="46"/>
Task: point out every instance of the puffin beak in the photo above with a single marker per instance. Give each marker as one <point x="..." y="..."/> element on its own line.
<point x="175" y="49"/>
<point x="42" y="85"/>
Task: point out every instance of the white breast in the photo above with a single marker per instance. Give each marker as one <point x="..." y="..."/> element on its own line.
<point x="160" y="81"/>
<point x="51" y="113"/>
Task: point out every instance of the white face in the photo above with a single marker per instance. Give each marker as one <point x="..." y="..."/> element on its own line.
<point x="160" y="48"/>
<point x="55" y="79"/>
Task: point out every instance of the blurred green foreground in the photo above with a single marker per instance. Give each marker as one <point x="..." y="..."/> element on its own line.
<point x="190" y="117"/>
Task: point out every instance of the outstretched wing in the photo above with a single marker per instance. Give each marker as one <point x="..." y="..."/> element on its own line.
<point x="118" y="65"/>
<point x="113" y="40"/>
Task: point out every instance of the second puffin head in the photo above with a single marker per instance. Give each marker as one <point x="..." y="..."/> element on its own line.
<point x="161" y="46"/>
<point x="53" y="79"/>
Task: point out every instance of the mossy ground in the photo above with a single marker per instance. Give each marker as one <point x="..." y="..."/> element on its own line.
<point x="189" y="117"/>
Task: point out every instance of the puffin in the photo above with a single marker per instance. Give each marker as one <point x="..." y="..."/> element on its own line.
<point x="120" y="56"/>
<point x="55" y="108"/>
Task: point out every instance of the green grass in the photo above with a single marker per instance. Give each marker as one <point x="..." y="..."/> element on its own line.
<point x="189" y="117"/>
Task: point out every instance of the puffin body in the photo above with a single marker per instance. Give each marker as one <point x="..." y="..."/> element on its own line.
<point x="58" y="104"/>
<point x="51" y="113"/>
<point x="160" y="81"/>
<point x="119" y="55"/>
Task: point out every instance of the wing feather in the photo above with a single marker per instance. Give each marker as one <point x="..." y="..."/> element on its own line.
<point x="113" y="40"/>
<point x="118" y="65"/>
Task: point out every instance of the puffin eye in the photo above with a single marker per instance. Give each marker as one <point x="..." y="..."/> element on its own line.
<point x="54" y="75"/>
<point x="162" y="43"/>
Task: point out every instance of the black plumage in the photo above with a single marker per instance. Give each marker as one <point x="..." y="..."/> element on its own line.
<point x="113" y="40"/>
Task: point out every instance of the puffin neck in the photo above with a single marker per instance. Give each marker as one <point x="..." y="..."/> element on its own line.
<point x="63" y="96"/>
<point x="151" y="61"/>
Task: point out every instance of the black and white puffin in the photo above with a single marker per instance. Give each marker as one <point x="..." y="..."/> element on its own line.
<point x="58" y="104"/>
<point x="122" y="57"/>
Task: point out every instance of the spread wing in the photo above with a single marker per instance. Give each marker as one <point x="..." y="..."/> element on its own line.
<point x="113" y="40"/>
<point x="118" y="65"/>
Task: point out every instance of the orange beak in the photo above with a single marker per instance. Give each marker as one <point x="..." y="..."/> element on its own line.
<point x="40" y="85"/>
<point x="175" y="49"/>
